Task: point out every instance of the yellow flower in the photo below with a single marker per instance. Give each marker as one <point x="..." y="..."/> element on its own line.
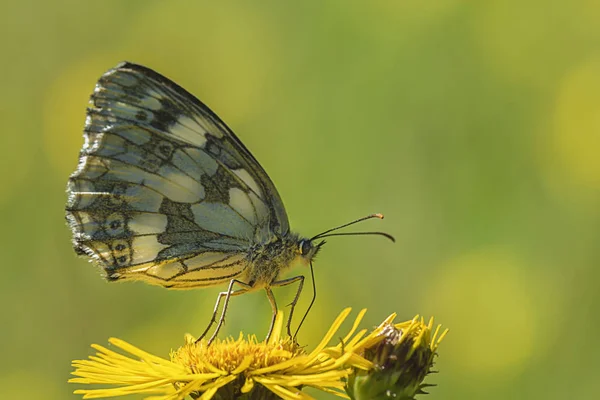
<point x="232" y="368"/>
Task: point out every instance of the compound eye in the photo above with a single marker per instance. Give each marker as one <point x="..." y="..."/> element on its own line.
<point x="305" y="247"/>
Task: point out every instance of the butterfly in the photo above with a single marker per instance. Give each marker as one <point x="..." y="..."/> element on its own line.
<point x="166" y="193"/>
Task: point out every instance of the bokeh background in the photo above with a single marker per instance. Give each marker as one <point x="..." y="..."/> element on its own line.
<point x="473" y="126"/>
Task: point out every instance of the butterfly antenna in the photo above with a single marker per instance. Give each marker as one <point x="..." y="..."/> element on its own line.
<point x="386" y="235"/>
<point x="327" y="232"/>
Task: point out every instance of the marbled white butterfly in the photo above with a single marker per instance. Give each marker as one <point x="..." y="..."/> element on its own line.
<point x="166" y="193"/>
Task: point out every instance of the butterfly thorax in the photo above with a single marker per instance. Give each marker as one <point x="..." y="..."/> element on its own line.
<point x="266" y="260"/>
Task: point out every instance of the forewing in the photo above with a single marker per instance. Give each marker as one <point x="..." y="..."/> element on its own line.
<point x="164" y="190"/>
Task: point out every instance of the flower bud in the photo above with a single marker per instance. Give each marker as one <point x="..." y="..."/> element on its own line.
<point x="401" y="361"/>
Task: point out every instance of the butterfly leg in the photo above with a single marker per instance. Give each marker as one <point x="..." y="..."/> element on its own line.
<point x="228" y="294"/>
<point x="274" y="308"/>
<point x="286" y="282"/>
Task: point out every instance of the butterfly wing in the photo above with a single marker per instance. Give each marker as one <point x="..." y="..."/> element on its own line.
<point x="164" y="191"/>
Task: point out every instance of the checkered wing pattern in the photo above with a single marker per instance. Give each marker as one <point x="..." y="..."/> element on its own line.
<point x="164" y="191"/>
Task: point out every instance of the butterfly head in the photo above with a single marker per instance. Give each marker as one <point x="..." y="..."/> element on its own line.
<point x="308" y="249"/>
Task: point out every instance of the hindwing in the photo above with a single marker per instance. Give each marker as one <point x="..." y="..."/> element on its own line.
<point x="164" y="190"/>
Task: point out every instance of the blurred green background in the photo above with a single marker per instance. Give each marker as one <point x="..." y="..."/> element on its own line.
<point x="473" y="126"/>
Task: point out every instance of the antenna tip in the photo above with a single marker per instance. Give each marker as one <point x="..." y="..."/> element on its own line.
<point x="380" y="216"/>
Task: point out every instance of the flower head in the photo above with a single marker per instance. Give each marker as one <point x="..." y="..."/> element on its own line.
<point x="226" y="369"/>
